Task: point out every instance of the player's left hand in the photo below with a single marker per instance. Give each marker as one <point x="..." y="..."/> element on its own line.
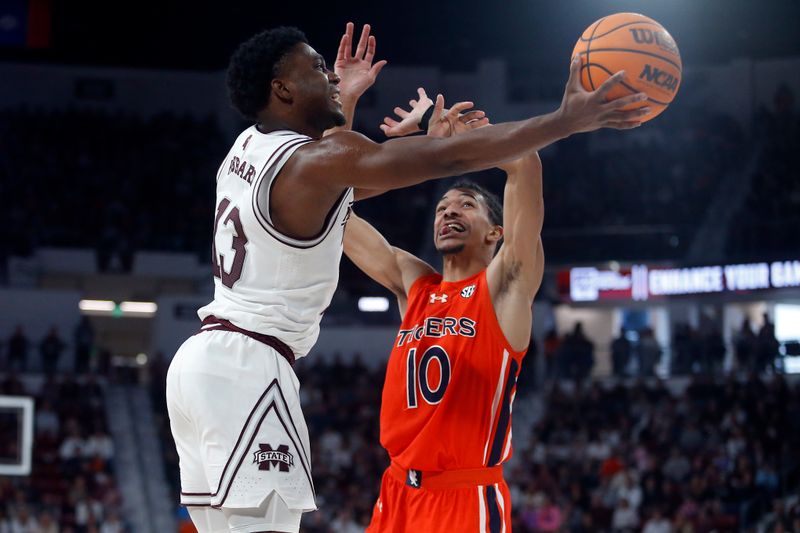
<point x="357" y="73"/>
<point x="443" y="122"/>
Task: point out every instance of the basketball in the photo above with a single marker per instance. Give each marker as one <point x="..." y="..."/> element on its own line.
<point x="642" y="48"/>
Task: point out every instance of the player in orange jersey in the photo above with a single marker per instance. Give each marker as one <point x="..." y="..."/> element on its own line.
<point x="451" y="376"/>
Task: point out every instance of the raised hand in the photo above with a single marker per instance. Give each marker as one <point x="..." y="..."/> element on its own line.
<point x="443" y="122"/>
<point x="409" y="120"/>
<point x="588" y="110"/>
<point x="448" y="122"/>
<point x="357" y="72"/>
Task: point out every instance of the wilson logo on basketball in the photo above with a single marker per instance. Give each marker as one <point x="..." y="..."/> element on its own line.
<point x="665" y="80"/>
<point x="662" y="39"/>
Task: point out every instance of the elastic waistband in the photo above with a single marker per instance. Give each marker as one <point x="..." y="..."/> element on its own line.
<point x="446" y="479"/>
<point x="212" y="323"/>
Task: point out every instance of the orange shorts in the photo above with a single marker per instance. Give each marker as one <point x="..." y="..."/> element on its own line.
<point x="446" y="502"/>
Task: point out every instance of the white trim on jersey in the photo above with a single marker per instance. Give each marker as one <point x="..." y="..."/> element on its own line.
<point x="501" y="504"/>
<point x="507" y="449"/>
<point x="481" y="509"/>
<point x="261" y="202"/>
<point x="497" y="394"/>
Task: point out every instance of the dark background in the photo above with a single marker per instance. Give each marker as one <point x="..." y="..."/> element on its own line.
<point x="530" y="34"/>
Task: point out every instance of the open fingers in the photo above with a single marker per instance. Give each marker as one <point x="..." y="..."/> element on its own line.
<point x="459" y="107"/>
<point x="471" y="115"/>
<point x="376" y="68"/>
<point x="400" y="112"/>
<point x="609" y="84"/>
<point x="370" y="49"/>
<point x="623" y="125"/>
<point x="626" y="100"/>
<point x="438" y="107"/>
<point x="477" y="123"/>
<point x="632" y="115"/>
<point x="346" y="43"/>
<point x="574" y="72"/>
<point x="362" y="42"/>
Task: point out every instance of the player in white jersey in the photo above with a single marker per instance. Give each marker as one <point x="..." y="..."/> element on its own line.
<point x="283" y="198"/>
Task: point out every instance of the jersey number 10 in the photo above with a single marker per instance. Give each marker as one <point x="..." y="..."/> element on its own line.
<point x="417" y="375"/>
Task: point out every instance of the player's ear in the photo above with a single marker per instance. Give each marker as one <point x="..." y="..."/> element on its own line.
<point x="495" y="234"/>
<point x="281" y="90"/>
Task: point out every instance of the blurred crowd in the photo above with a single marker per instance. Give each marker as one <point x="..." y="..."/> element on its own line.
<point x="20" y="354"/>
<point x="72" y="487"/>
<point x="713" y="457"/>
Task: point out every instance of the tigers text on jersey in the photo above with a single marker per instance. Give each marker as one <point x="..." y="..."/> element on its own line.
<point x="450" y="380"/>
<point x="265" y="281"/>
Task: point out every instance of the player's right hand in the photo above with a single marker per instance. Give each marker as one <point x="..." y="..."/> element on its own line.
<point x="583" y="110"/>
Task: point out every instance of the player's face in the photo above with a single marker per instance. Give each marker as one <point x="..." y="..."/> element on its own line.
<point x="462" y="221"/>
<point x="314" y="88"/>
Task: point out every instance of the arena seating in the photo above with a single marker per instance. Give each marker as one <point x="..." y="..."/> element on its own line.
<point x="72" y="486"/>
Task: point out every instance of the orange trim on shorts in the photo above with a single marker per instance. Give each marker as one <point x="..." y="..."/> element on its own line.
<point x="451" y="479"/>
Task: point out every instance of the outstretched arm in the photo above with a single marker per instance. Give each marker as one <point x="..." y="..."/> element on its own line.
<point x="347" y="159"/>
<point x="392" y="267"/>
<point x="515" y="273"/>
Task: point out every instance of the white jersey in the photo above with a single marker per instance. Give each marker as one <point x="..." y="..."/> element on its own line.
<point x="265" y="281"/>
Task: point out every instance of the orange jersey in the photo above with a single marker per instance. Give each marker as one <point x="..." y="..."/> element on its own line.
<point x="450" y="380"/>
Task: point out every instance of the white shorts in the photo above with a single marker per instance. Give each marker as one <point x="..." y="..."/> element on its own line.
<point x="235" y="415"/>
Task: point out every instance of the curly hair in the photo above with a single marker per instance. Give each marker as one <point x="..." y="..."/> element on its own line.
<point x="254" y="65"/>
<point x="492" y="201"/>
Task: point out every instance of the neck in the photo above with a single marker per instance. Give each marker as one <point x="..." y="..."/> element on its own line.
<point x="461" y="266"/>
<point x="267" y="123"/>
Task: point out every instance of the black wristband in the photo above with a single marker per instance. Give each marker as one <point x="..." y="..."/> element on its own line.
<point x="426" y="118"/>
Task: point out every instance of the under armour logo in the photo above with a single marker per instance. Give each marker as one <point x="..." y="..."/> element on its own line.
<point x="466" y="292"/>
<point x="435" y="298"/>
<point x="414" y="478"/>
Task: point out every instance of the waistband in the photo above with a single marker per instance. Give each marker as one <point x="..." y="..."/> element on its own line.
<point x="446" y="479"/>
<point x="212" y="323"/>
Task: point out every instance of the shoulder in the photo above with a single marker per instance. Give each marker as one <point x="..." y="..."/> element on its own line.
<point x="341" y="143"/>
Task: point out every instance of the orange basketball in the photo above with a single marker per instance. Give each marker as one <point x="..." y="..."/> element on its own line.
<point x="642" y="48"/>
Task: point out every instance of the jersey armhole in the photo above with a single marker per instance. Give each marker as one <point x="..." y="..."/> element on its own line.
<point x="419" y="282"/>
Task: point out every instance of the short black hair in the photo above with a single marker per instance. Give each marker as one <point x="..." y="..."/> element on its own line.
<point x="255" y="64"/>
<point x="492" y="201"/>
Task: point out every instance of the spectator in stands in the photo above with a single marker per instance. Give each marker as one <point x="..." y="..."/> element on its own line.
<point x="18" y="350"/>
<point x="745" y="347"/>
<point x="625" y="518"/>
<point x="767" y="346"/>
<point x="620" y="354"/>
<point x="112" y="523"/>
<point x="84" y="344"/>
<point x="578" y="354"/>
<point x="657" y="523"/>
<point x="552" y="345"/>
<point x="50" y="350"/>
<point x="681" y="350"/>
<point x="649" y="352"/>
<point x="46" y="419"/>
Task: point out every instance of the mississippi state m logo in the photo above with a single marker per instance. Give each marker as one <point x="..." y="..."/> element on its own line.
<point x="266" y="457"/>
